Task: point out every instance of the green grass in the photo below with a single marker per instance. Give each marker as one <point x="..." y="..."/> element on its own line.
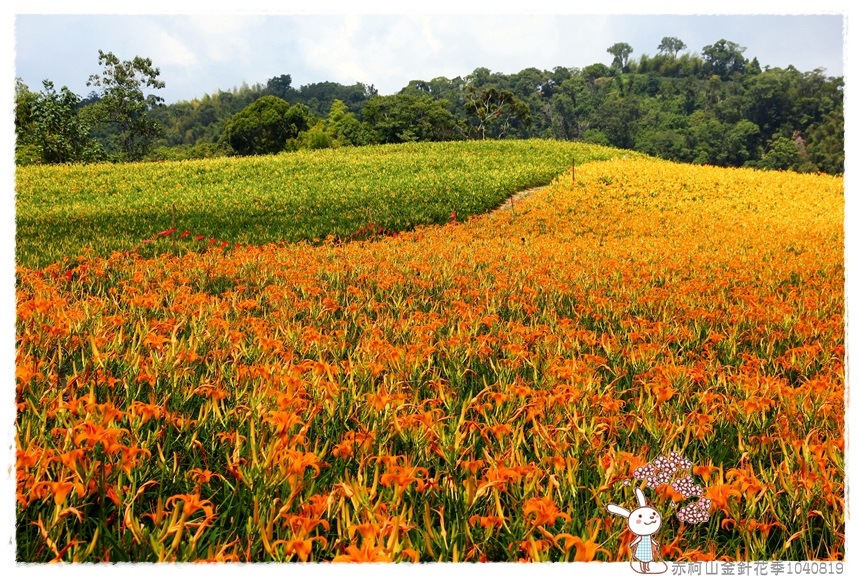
<point x="61" y="211"/>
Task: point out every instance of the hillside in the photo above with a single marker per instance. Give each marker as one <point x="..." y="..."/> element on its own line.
<point x="62" y="211"/>
<point x="474" y="391"/>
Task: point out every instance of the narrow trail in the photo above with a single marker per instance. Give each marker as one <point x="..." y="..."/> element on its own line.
<point x="515" y="198"/>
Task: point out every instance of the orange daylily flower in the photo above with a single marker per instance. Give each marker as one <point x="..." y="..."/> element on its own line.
<point x="720" y="495"/>
<point x="369" y="552"/>
<point x="497" y="347"/>
<point x="490" y="521"/>
<point x="704" y="471"/>
<point x="61" y="489"/>
<point x="283" y="421"/>
<point x="402" y="477"/>
<point x="472" y="466"/>
<point x="586" y="549"/>
<point x="300" y="547"/>
<point x="352" y="441"/>
<point x="316" y="505"/>
<point x="663" y="393"/>
<point x="202" y="476"/>
<point x="191" y="504"/>
<point x="534" y="547"/>
<point x="368" y="531"/>
<point x="129" y="457"/>
<point x="544" y="510"/>
<point x="301" y="525"/>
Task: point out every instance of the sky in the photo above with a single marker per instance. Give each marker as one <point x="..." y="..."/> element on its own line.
<point x="385" y="43"/>
<point x="202" y="53"/>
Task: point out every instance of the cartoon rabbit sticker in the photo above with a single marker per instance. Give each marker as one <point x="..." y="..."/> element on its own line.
<point x="642" y="522"/>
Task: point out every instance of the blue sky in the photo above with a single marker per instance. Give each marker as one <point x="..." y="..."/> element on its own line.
<point x="201" y="53"/>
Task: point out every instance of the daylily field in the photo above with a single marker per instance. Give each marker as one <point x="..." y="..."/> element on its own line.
<point x="474" y="390"/>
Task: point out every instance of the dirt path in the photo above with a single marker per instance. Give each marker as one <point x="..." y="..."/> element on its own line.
<point x="516" y="198"/>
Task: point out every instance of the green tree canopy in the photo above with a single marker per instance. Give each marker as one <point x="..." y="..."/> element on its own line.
<point x="649" y="104"/>
<point x="60" y="134"/>
<point x="280" y="86"/>
<point x="344" y="127"/>
<point x="617" y="118"/>
<point x="826" y="144"/>
<point x="783" y="153"/>
<point x="264" y="126"/>
<point x="121" y="102"/>
<point x="670" y="45"/>
<point x="24" y="100"/>
<point x="620" y="51"/>
<point x="724" y="58"/>
<point x="494" y="111"/>
<point x="408" y="117"/>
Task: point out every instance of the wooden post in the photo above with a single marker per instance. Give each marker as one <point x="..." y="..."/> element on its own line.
<point x="572" y="170"/>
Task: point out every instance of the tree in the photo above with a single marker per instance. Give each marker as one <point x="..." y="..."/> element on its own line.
<point x="617" y="118"/>
<point x="495" y="111"/>
<point x="341" y="128"/>
<point x="24" y="100"/>
<point x="317" y="136"/>
<point x="562" y="113"/>
<point x="123" y="104"/>
<point x="754" y="67"/>
<point x="741" y="143"/>
<point x="25" y="152"/>
<point x="265" y="126"/>
<point x="480" y="76"/>
<point x="784" y="154"/>
<point x="724" y="58"/>
<point x="826" y="144"/>
<point x="670" y="45"/>
<point x="280" y="86"/>
<point x="572" y="105"/>
<point x="594" y="71"/>
<point x="319" y="96"/>
<point x="767" y="97"/>
<point x="665" y="143"/>
<point x="408" y="117"/>
<point x="59" y="133"/>
<point x="620" y="51"/>
<point x="344" y="127"/>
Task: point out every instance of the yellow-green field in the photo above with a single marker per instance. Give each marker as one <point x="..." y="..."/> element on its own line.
<point x="476" y="391"/>
<point x="61" y="211"/>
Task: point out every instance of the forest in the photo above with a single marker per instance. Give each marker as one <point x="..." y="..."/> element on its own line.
<point x="715" y="107"/>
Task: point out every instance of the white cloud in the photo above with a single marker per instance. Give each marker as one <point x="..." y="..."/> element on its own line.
<point x="171" y="51"/>
<point x="224" y="38"/>
<point x="330" y="46"/>
<point x="433" y="43"/>
<point x="515" y="38"/>
<point x="377" y="50"/>
<point x="198" y="53"/>
<point x="391" y="50"/>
